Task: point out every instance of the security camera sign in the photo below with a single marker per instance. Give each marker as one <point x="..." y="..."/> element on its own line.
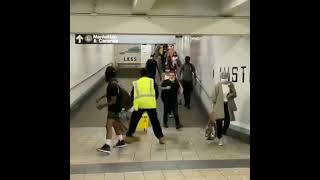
<point x="95" y="39"/>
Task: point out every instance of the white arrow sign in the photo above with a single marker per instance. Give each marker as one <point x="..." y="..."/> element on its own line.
<point x="79" y="38"/>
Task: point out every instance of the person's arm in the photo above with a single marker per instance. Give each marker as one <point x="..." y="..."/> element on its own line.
<point x="132" y="94"/>
<point x="113" y="100"/>
<point x="101" y="106"/>
<point x="214" y="101"/>
<point x="215" y="95"/>
<point x="99" y="99"/>
<point x="164" y="85"/>
<point x="232" y="94"/>
<point x="181" y="70"/>
<point x="194" y="73"/>
<point x="194" y="70"/>
<point x="156" y="90"/>
<point x="178" y="87"/>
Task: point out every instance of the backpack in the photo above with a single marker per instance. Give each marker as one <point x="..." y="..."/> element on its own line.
<point x="126" y="101"/>
<point x="187" y="71"/>
<point x="123" y="97"/>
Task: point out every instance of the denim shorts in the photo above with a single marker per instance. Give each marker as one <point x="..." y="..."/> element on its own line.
<point x="123" y="118"/>
<point x="113" y="115"/>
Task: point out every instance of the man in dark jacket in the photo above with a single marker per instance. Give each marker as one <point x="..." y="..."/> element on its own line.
<point x="152" y="67"/>
<point x="169" y="96"/>
<point x="187" y="72"/>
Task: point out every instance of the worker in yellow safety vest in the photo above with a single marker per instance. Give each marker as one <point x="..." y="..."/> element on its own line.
<point x="144" y="94"/>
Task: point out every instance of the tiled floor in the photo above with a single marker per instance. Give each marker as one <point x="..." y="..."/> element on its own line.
<point x="87" y="133"/>
<point x="195" y="174"/>
<point x="186" y="144"/>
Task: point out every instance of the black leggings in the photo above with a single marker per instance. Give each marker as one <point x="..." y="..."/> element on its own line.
<point x="187" y="89"/>
<point x="167" y="109"/>
<point x="222" y="129"/>
<point x="136" y="116"/>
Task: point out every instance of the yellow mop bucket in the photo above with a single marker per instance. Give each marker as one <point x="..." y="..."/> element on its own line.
<point x="143" y="122"/>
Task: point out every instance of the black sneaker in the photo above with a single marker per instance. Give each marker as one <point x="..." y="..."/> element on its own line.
<point x="165" y="125"/>
<point x="121" y="144"/>
<point x="179" y="126"/>
<point x="105" y="148"/>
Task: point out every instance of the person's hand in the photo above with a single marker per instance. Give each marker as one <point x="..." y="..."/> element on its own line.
<point x="168" y="87"/>
<point x="211" y="115"/>
<point x="229" y="95"/>
<point x="99" y="106"/>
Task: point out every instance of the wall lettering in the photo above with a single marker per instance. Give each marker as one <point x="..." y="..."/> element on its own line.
<point x="243" y="67"/>
<point x="130" y="59"/>
<point x="235" y="74"/>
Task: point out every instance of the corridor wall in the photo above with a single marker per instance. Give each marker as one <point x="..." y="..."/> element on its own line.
<point x="85" y="60"/>
<point x="213" y="54"/>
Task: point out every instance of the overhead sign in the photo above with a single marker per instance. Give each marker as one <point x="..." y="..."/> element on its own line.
<point x="128" y="53"/>
<point x="95" y="39"/>
<point x="123" y="39"/>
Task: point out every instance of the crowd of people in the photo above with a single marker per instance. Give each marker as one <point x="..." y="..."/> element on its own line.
<point x="176" y="78"/>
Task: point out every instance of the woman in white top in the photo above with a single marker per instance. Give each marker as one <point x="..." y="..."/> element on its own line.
<point x="223" y="104"/>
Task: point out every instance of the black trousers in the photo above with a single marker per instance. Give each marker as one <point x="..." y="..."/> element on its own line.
<point x="223" y="124"/>
<point x="136" y="116"/>
<point x="187" y="89"/>
<point x="167" y="109"/>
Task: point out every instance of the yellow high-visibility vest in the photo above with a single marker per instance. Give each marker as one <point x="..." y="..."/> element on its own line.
<point x="144" y="94"/>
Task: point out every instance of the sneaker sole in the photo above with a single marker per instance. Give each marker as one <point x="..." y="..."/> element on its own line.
<point x="100" y="150"/>
<point x="121" y="146"/>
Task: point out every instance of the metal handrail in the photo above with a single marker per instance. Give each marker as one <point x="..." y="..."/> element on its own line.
<point x="204" y="90"/>
<point x="109" y="64"/>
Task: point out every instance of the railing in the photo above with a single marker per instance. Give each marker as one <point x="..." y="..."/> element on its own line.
<point x="129" y="65"/>
<point x="207" y="102"/>
<point x="204" y="90"/>
<point x="109" y="64"/>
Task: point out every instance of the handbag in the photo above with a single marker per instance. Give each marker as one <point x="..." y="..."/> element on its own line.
<point x="211" y="129"/>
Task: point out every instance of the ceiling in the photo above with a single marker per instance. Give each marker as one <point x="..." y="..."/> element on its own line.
<point x="162" y="7"/>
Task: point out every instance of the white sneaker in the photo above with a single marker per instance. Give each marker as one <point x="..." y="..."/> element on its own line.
<point x="220" y="142"/>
